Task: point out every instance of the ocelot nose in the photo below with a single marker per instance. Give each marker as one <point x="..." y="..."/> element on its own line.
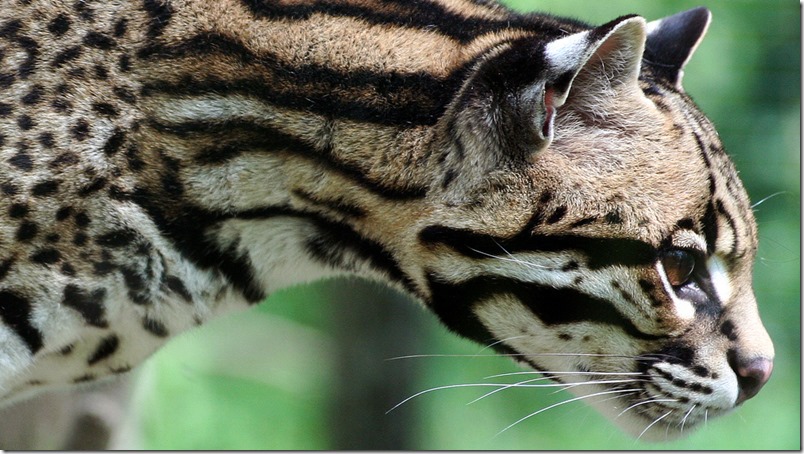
<point x="751" y="376"/>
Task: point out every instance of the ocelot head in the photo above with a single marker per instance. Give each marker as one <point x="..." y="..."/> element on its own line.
<point x="591" y="226"/>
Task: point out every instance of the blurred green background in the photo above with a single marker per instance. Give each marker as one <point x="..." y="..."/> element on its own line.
<point x="311" y="368"/>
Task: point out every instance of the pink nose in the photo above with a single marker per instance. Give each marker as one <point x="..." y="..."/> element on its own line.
<point x="752" y="376"/>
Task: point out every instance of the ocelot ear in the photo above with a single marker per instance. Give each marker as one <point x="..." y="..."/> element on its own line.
<point x="505" y="109"/>
<point x="672" y="41"/>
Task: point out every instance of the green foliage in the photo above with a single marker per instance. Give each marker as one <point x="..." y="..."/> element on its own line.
<point x="263" y="379"/>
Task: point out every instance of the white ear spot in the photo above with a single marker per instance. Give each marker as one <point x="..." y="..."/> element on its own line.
<point x="720" y="278"/>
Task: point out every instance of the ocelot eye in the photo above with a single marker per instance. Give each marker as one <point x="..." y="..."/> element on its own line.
<point x="678" y="266"/>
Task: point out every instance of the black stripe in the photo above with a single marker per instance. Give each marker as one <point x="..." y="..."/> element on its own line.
<point x="335" y="240"/>
<point x="264" y="138"/>
<point x="553" y="306"/>
<point x="107" y="347"/>
<point x="88" y="304"/>
<point x="338" y="205"/>
<point x="15" y="311"/>
<point x="416" y="14"/>
<point x="600" y="252"/>
<point x="189" y="228"/>
<point x="721" y="209"/>
<point x="192" y="232"/>
<point x="391" y="98"/>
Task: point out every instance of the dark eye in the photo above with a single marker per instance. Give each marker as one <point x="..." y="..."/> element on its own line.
<point x="678" y="266"/>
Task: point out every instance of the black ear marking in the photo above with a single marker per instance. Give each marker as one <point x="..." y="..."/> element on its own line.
<point x="672" y="41"/>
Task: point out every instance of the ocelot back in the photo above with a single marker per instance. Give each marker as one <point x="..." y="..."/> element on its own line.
<point x="542" y="186"/>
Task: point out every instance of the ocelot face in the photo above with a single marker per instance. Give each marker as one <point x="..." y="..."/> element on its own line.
<point x="619" y="273"/>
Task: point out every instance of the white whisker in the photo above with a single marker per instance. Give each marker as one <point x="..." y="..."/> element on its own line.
<point x="617" y="391"/>
<point x="684" y="419"/>
<point x="568" y="373"/>
<point x="563" y="386"/>
<point x="477" y="385"/>
<point x="654" y="423"/>
<point x="650" y="401"/>
<point x="511" y="259"/>
<point x="500" y="342"/>
<point x="768" y="197"/>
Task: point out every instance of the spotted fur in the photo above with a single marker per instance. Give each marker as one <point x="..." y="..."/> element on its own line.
<point x="541" y="185"/>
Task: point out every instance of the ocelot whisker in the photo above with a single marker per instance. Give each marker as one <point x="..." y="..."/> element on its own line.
<point x="567" y="373"/>
<point x="501" y="341"/>
<point x="563" y="386"/>
<point x="470" y="385"/>
<point x="564" y="402"/>
<point x="653" y="424"/>
<point x="684" y="419"/>
<point x="756" y="204"/>
<point x="649" y="401"/>
<point x="511" y="259"/>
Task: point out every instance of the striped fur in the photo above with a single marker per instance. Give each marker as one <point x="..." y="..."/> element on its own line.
<point x="532" y="180"/>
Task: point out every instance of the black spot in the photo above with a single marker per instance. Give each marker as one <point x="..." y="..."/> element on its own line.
<point x="15" y="311"/>
<point x="67" y="349"/>
<point x="545" y="197"/>
<point x="18" y="210"/>
<point x="96" y="185"/>
<point x="89" y="305"/>
<point x="101" y="72"/>
<point x="700" y="371"/>
<point x="572" y="265"/>
<point x="565" y="336"/>
<point x="727" y="329"/>
<point x="61" y="105"/>
<point x="104" y="108"/>
<point x="59" y="25"/>
<point x="46" y="140"/>
<point x="53" y="238"/>
<point x="99" y="41"/>
<point x="81" y="219"/>
<point x="583" y="222"/>
<point x="106" y="348"/>
<point x="177" y="286"/>
<point x="46" y="256"/>
<point x="84" y="378"/>
<point x="120" y="27"/>
<point x="9" y="189"/>
<point x="64" y="159"/>
<point x="66" y="56"/>
<point x="160" y="13"/>
<point x="67" y="269"/>
<point x="64" y="213"/>
<point x="686" y="223"/>
<point x="21" y="161"/>
<point x="125" y="95"/>
<point x="25" y="122"/>
<point x="114" y="142"/>
<point x="33" y="96"/>
<point x="557" y="215"/>
<point x="5" y="267"/>
<point x="103" y="268"/>
<point x="7" y="80"/>
<point x="124" y="63"/>
<point x="45" y="188"/>
<point x="81" y="129"/>
<point x="80" y="239"/>
<point x="10" y="28"/>
<point x="27" y="231"/>
<point x="614" y="217"/>
<point x="5" y="109"/>
<point x="117" y="238"/>
<point x="154" y="327"/>
<point x="136" y="286"/>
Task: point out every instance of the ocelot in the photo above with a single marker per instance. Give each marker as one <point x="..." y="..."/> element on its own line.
<point x="541" y="185"/>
